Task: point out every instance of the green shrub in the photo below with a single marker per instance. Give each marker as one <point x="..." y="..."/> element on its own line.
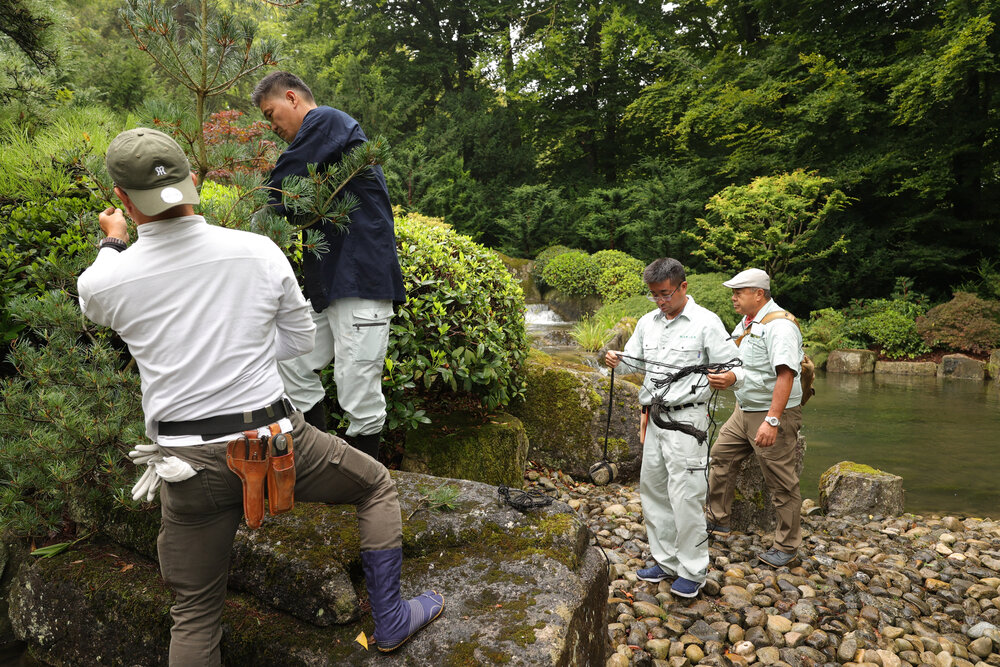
<point x="460" y="335"/>
<point x="708" y="292"/>
<point x="574" y="273"/>
<point x="607" y="259"/>
<point x="542" y="260"/>
<point x="893" y="332"/>
<point x="824" y="332"/>
<point x="633" y="307"/>
<point x="618" y="283"/>
<point x="966" y="323"/>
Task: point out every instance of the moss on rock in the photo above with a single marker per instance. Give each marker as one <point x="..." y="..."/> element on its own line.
<point x="464" y="446"/>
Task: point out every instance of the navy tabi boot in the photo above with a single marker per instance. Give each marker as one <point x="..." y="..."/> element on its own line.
<point x="396" y="619"/>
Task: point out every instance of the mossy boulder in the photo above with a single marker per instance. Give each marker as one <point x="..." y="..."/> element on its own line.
<point x="523" y="587"/>
<point x="924" y="368"/>
<point x="522" y="269"/>
<point x="752" y="506"/>
<point x="993" y="365"/>
<point x="850" y="488"/>
<point x="463" y="445"/>
<point x="565" y="413"/>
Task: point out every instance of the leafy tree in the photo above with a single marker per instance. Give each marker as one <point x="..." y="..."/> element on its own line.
<point x="771" y="224"/>
<point x="534" y="215"/>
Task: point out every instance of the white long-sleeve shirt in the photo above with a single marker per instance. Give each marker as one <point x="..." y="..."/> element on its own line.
<point x="695" y="336"/>
<point x="205" y="311"/>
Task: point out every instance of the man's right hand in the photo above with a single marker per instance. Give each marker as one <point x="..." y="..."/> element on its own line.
<point x="112" y="222"/>
<point x="721" y="380"/>
<point x="611" y="359"/>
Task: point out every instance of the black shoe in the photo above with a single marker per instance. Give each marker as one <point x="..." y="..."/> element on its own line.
<point x="316" y="415"/>
<point x="368" y="444"/>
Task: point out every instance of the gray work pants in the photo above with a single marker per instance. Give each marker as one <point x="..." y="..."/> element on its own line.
<point x="200" y="516"/>
<point x="353" y="334"/>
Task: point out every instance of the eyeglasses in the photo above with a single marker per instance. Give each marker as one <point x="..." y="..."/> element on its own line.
<point x="657" y="298"/>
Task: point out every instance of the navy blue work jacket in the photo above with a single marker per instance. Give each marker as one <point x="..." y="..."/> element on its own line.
<point x="363" y="262"/>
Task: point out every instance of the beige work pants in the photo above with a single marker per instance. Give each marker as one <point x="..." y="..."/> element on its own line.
<point x="777" y="462"/>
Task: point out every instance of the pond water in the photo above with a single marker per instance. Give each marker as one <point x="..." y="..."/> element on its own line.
<point x="941" y="436"/>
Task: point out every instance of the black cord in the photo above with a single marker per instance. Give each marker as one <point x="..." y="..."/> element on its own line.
<point x="523" y="500"/>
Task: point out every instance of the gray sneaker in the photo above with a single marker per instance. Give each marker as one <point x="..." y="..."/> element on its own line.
<point x="776" y="558"/>
<point x="716" y="529"/>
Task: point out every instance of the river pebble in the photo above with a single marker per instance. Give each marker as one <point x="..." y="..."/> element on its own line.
<point x="872" y="591"/>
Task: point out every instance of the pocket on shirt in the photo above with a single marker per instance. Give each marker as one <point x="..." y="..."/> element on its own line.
<point x="370" y="332"/>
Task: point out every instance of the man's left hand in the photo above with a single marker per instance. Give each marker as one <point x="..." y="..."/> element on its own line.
<point x="112" y="222"/>
<point x="766" y="435"/>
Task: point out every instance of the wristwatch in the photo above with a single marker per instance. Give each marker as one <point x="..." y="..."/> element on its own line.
<point x="773" y="421"/>
<point x="114" y="243"/>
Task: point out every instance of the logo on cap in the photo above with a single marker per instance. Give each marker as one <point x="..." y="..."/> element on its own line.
<point x="161" y="171"/>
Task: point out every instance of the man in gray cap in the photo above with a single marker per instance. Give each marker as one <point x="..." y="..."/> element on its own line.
<point x="207" y="313"/>
<point x="767" y="416"/>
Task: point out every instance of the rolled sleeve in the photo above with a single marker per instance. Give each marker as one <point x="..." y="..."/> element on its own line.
<point x="784" y="346"/>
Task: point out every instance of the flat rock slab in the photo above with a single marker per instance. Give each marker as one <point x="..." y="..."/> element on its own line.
<point x="520" y="589"/>
<point x="906" y="367"/>
<point x="850" y="488"/>
<point x="851" y="361"/>
<point x="961" y="367"/>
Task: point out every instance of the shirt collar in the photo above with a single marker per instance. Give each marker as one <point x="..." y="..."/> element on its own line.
<point x="169" y="226"/>
<point x="684" y="313"/>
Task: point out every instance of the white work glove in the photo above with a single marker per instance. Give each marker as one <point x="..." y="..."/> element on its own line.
<point x="158" y="468"/>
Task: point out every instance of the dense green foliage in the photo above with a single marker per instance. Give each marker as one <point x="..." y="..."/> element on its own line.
<point x="574" y="273"/>
<point x="707" y="291"/>
<point x="459" y="338"/>
<point x="966" y="323"/>
<point x="538" y="269"/>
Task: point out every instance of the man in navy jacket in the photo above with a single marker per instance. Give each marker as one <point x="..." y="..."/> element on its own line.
<point x="355" y="284"/>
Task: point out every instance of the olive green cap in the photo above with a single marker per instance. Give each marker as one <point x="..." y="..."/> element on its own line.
<point x="152" y="170"/>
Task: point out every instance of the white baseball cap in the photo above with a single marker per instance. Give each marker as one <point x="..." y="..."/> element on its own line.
<point x="749" y="278"/>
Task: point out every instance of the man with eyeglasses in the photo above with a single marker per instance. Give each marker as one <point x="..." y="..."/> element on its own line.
<point x="767" y="416"/>
<point x="674" y="477"/>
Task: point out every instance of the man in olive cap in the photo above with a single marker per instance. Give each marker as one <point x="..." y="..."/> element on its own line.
<point x="767" y="416"/>
<point x="207" y="313"/>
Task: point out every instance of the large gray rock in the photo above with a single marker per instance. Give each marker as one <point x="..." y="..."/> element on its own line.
<point x="961" y="367"/>
<point x="521" y="270"/>
<point x="906" y="367"/>
<point x="851" y="488"/>
<point x="491" y="449"/>
<point x="520" y="587"/>
<point x="851" y="361"/>
<point x="565" y="416"/>
<point x="752" y="506"/>
<point x="571" y="308"/>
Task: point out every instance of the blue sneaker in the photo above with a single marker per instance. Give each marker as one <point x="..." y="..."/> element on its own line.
<point x="654" y="573"/>
<point x="685" y="587"/>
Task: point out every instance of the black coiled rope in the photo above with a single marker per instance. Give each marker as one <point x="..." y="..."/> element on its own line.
<point x="523" y="500"/>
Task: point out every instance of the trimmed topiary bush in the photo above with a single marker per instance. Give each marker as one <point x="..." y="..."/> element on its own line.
<point x="608" y="259"/>
<point x="573" y="273"/>
<point x="966" y="323"/>
<point x="460" y="338"/>
<point x="618" y="283"/>
<point x="542" y="260"/>
<point x="708" y="292"/>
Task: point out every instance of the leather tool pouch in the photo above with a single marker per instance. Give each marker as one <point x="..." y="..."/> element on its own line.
<point x="280" y="473"/>
<point x="248" y="458"/>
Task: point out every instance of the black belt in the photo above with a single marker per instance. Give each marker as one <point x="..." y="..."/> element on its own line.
<point x="672" y="408"/>
<point x="232" y="423"/>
